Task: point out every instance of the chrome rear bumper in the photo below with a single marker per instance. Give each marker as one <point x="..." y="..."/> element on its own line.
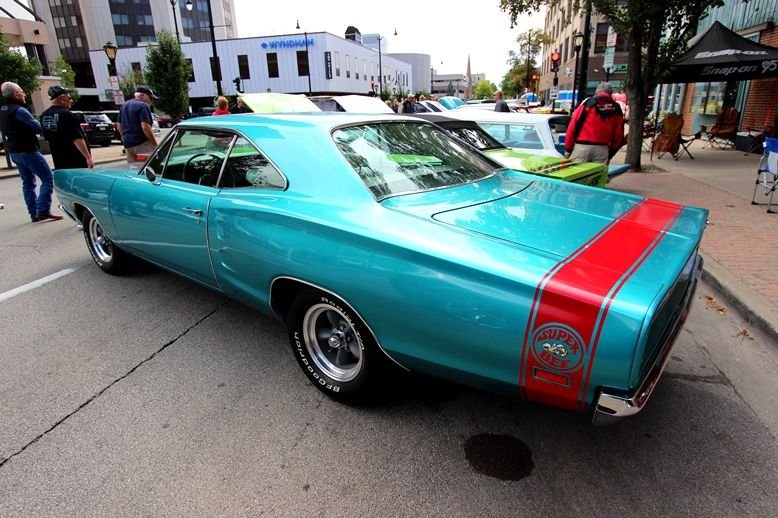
<point x="612" y="406"/>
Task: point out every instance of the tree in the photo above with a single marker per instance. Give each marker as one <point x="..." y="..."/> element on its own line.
<point x="450" y="89"/>
<point x="483" y="90"/>
<point x="129" y="80"/>
<point x="523" y="63"/>
<point x="386" y="91"/>
<point x="167" y="73"/>
<point x="60" y="67"/>
<point x="18" y="68"/>
<point x="658" y="32"/>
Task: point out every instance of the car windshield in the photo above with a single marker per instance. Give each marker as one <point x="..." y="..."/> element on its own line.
<point x="477" y="138"/>
<point x="403" y="157"/>
<point x="524" y="136"/>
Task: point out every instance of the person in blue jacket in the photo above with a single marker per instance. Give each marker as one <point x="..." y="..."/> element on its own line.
<point x="21" y="132"/>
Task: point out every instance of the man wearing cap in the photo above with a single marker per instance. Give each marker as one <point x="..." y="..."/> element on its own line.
<point x="63" y="131"/>
<point x="596" y="129"/>
<point x="135" y="124"/>
<point x="21" y="132"/>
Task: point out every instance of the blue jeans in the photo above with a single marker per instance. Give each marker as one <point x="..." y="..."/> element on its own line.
<point x="29" y="166"/>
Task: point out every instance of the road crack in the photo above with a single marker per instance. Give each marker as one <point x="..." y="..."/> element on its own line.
<point x="114" y="382"/>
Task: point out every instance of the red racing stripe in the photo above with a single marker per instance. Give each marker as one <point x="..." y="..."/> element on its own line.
<point x="572" y="301"/>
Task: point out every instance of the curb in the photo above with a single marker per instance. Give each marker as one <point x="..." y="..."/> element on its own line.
<point x="751" y="305"/>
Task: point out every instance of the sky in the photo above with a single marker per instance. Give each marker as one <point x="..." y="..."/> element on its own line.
<point x="447" y="34"/>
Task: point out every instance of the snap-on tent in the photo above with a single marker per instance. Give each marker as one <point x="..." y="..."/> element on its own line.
<point x="723" y="55"/>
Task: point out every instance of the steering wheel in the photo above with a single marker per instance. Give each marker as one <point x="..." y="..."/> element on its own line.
<point x="191" y="158"/>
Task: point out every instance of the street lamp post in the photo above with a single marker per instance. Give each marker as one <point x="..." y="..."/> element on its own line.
<point x="577" y="41"/>
<point x="175" y="20"/>
<point x="216" y="69"/>
<point x="307" y="58"/>
<point x="585" y="44"/>
<point x="380" y="65"/>
<point x="110" y="50"/>
<point x="380" y="68"/>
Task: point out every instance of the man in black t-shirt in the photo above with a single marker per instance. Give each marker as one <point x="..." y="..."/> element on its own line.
<point x="63" y="131"/>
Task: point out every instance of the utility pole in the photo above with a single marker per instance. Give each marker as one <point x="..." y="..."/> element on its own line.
<point x="529" y="53"/>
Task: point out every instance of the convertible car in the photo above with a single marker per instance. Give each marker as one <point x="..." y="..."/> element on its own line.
<point x="384" y="243"/>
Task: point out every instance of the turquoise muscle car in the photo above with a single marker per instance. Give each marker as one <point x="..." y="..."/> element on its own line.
<point x="384" y="243"/>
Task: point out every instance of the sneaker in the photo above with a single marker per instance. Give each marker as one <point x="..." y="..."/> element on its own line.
<point x="44" y="217"/>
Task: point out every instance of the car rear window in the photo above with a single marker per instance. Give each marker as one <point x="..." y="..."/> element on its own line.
<point x="97" y="118"/>
<point x="403" y="157"/>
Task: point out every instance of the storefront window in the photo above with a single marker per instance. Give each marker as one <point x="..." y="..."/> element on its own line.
<point x="708" y="98"/>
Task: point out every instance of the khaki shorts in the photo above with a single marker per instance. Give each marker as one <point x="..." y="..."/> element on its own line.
<point x="143" y="149"/>
<point x="590" y="153"/>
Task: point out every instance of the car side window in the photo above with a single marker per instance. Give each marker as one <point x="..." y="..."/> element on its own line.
<point x="197" y="156"/>
<point x="157" y="161"/>
<point x="248" y="167"/>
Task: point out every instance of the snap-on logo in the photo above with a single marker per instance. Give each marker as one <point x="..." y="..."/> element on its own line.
<point x="558" y="347"/>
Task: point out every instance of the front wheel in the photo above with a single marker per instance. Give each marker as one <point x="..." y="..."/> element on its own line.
<point x="334" y="347"/>
<point x="104" y="252"/>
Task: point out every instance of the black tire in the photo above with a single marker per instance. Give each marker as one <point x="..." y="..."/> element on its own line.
<point x="104" y="252"/>
<point x="334" y="347"/>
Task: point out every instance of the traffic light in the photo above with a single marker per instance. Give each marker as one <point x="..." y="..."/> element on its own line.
<point x="534" y="77"/>
<point x="555" y="61"/>
<point x="237" y="84"/>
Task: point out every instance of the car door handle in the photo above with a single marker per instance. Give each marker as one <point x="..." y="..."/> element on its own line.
<point x="194" y="212"/>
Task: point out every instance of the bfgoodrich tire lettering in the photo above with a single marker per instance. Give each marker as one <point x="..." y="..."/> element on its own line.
<point x="333" y="346"/>
<point x="104" y="252"/>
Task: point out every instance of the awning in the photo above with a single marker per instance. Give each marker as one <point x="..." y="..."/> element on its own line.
<point x="723" y="55"/>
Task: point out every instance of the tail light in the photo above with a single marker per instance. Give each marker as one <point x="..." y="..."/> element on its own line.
<point x="85" y="126"/>
<point x="142" y="157"/>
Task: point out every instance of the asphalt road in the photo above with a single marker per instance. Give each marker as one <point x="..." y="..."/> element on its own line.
<point x="148" y="395"/>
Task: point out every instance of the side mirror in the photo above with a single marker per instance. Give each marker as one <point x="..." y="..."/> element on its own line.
<point x="150" y="174"/>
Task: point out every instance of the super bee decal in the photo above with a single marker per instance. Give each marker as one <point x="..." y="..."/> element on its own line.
<point x="557" y="354"/>
<point x="558" y="347"/>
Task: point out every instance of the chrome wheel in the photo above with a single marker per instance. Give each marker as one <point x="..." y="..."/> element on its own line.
<point x="101" y="245"/>
<point x="332" y="343"/>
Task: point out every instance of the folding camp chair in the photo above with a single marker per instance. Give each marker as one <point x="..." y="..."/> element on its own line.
<point x="767" y="174"/>
<point x="649" y="132"/>
<point x="670" y="139"/>
<point x="757" y="137"/>
<point x="724" y="131"/>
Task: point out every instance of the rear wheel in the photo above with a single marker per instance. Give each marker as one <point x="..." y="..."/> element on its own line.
<point x="334" y="347"/>
<point x="104" y="252"/>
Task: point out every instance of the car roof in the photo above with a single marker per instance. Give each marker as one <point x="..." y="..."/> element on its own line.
<point x="449" y="122"/>
<point x="482" y="115"/>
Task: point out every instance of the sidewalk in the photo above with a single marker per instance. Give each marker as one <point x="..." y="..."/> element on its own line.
<point x="100" y="155"/>
<point x="740" y="245"/>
